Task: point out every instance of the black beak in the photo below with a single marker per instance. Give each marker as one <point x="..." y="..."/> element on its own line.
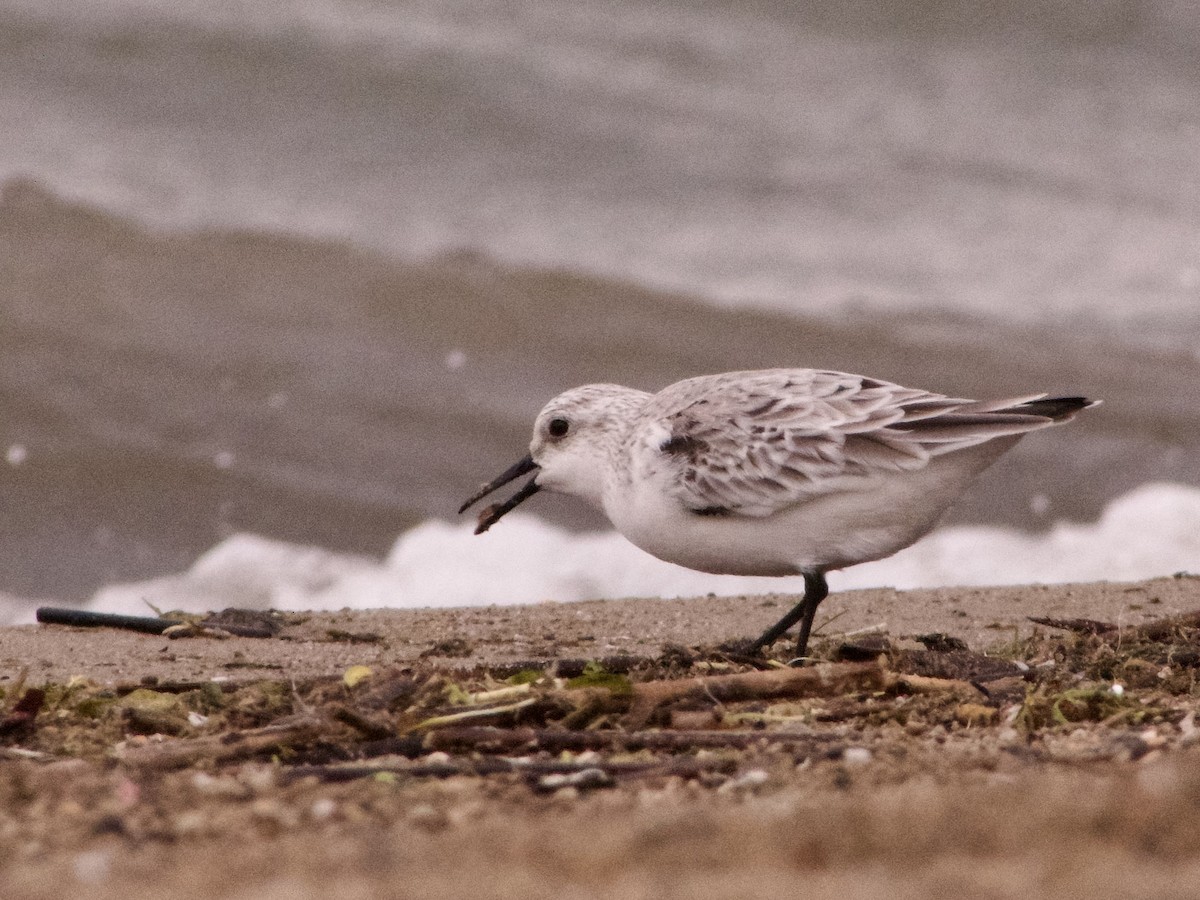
<point x="490" y="515"/>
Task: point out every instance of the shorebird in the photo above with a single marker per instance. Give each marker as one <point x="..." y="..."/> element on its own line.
<point x="770" y="472"/>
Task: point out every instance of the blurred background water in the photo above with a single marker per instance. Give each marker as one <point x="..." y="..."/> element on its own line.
<point x="307" y="269"/>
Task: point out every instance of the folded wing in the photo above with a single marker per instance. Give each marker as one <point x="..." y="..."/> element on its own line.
<point x="753" y="443"/>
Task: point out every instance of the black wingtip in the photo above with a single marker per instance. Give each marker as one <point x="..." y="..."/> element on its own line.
<point x="1057" y="408"/>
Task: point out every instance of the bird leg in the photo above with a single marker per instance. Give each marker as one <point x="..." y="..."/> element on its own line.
<point x="815" y="590"/>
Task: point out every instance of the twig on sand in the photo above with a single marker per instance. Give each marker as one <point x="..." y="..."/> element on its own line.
<point x="821" y="680"/>
<point x="175" y="754"/>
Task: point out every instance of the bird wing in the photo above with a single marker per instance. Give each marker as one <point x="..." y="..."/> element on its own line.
<point x="753" y="443"/>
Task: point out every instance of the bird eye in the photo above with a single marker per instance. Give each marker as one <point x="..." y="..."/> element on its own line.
<point x="558" y="428"/>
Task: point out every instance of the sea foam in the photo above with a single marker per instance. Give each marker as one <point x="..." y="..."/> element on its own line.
<point x="1148" y="532"/>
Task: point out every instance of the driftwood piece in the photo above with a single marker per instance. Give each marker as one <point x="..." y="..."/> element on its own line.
<point x="925" y="684"/>
<point x="817" y="681"/>
<point x="86" y="618"/>
<point x="369" y="726"/>
<point x="175" y="754"/>
<point x="636" y="703"/>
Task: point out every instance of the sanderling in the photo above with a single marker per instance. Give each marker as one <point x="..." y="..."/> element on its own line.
<point x="773" y="472"/>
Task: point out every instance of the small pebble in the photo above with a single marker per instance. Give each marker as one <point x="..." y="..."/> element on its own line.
<point x="1187" y="727"/>
<point x="322" y="809"/>
<point x="750" y="780"/>
<point x="584" y="779"/>
<point x="218" y="786"/>
<point x="856" y="756"/>
<point x="1152" y="738"/>
<point x="92" y="866"/>
<point x="275" y="813"/>
<point x="191" y="822"/>
<point x="258" y="778"/>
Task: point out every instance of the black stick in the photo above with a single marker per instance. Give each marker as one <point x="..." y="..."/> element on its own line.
<point x="55" y="615"/>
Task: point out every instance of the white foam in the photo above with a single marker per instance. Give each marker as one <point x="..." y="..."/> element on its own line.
<point x="1148" y="532"/>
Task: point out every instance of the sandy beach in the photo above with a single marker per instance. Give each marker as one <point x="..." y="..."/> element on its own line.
<point x="1035" y="780"/>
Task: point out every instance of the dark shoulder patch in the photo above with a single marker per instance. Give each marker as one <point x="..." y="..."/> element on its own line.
<point x="766" y="406"/>
<point x="681" y="444"/>
<point x="711" y="511"/>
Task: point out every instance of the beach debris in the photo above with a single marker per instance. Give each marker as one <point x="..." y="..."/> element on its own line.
<point x="587" y="779"/>
<point x="454" y="648"/>
<point x="566" y="726"/>
<point x="975" y="715"/>
<point x="863" y="648"/>
<point x="176" y="754"/>
<point x="341" y="636"/>
<point x="957" y="665"/>
<point x="252" y="623"/>
<point x="594" y="675"/>
<point x="369" y="726"/>
<point x="356" y="675"/>
<point x="1164" y="629"/>
<point x="21" y="716"/>
<point x="939" y="642"/>
<point x="856" y="756"/>
<point x="501" y="713"/>
<point x="1079" y="626"/>
<point x="1169" y="628"/>
<point x="84" y="618"/>
<point x="823" y="679"/>
<point x="154" y="712"/>
<point x="1094" y="703"/>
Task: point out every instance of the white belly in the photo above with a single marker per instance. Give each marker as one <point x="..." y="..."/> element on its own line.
<point x="889" y="512"/>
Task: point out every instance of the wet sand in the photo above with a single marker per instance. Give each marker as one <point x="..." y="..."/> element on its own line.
<point x="873" y="807"/>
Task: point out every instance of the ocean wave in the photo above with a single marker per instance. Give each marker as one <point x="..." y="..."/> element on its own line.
<point x="747" y="156"/>
<point x="1148" y="532"/>
<point x="159" y="392"/>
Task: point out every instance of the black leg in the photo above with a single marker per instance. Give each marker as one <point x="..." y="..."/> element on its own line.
<point x="815" y="590"/>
